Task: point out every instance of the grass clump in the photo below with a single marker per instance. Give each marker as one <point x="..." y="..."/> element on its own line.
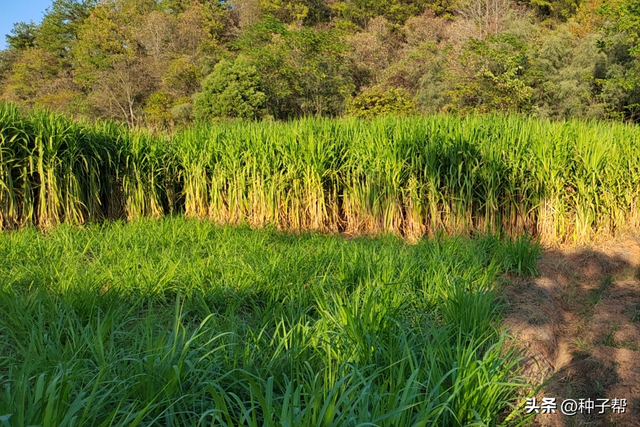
<point x="520" y="255"/>
<point x="179" y="322"/>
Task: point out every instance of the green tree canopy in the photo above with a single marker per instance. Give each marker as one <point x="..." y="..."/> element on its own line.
<point x="60" y="25"/>
<point x="304" y="71"/>
<point x="232" y="90"/>
<point x="22" y="36"/>
<point x="621" y="85"/>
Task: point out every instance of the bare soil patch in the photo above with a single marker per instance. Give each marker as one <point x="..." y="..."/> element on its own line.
<point x="580" y="324"/>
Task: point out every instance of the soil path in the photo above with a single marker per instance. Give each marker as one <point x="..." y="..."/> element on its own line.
<point x="580" y="323"/>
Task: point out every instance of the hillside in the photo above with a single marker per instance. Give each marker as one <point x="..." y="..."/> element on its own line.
<point x="165" y="63"/>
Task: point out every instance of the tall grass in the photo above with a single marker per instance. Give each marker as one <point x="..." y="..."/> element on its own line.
<point x="181" y="323"/>
<point x="566" y="182"/>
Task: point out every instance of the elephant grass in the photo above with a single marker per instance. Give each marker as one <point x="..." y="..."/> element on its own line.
<point x="565" y="182"/>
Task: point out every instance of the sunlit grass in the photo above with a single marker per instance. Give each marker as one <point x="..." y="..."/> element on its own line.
<point x="564" y="182"/>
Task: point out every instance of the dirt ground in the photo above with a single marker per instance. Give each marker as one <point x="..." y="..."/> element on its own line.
<point x="580" y="323"/>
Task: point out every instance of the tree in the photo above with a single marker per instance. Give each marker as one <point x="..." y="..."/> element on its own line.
<point x="621" y="85"/>
<point x="8" y="57"/>
<point x="201" y="28"/>
<point x="157" y="33"/>
<point x="104" y="37"/>
<point x="232" y="90"/>
<point x="23" y="36"/>
<point x="121" y="90"/>
<point x="426" y="43"/>
<point x="486" y="14"/>
<point x="60" y="25"/>
<point x="111" y="62"/>
<point x="143" y="61"/>
<point x="377" y="101"/>
<point x="397" y="11"/>
<point x="624" y="18"/>
<point x="558" y="10"/>
<point x="304" y="71"/>
<point x="36" y="78"/>
<point x="309" y="12"/>
<point x="30" y="73"/>
<point x="373" y="50"/>
<point x="246" y="12"/>
<point x="489" y="76"/>
<point x="182" y="77"/>
<point x="158" y="109"/>
<point x="563" y="75"/>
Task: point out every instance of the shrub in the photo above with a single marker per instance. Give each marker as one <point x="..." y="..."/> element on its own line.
<point x="232" y="90"/>
<point x="376" y="101"/>
<point x="158" y="109"/>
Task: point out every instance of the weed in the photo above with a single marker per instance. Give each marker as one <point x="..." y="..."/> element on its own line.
<point x="520" y="255"/>
<point x="635" y="313"/>
<point x="610" y="339"/>
<point x="582" y="345"/>
<point x="594" y="296"/>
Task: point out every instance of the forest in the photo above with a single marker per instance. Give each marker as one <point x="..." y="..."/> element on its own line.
<point x="163" y="64"/>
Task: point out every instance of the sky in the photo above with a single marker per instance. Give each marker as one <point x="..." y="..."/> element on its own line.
<point x="19" y="10"/>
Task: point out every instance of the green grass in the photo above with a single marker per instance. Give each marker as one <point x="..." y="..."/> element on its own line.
<point x="520" y="255"/>
<point x="564" y="182"/>
<point x="183" y="323"/>
<point x="635" y="313"/>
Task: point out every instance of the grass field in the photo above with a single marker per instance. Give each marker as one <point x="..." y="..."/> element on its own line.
<point x="565" y="182"/>
<point x="193" y="279"/>
<point x="178" y="322"/>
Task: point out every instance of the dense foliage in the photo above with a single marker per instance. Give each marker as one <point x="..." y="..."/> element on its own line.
<point x="148" y="62"/>
<point x="413" y="176"/>
<point x="182" y="323"/>
<point x="231" y="90"/>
